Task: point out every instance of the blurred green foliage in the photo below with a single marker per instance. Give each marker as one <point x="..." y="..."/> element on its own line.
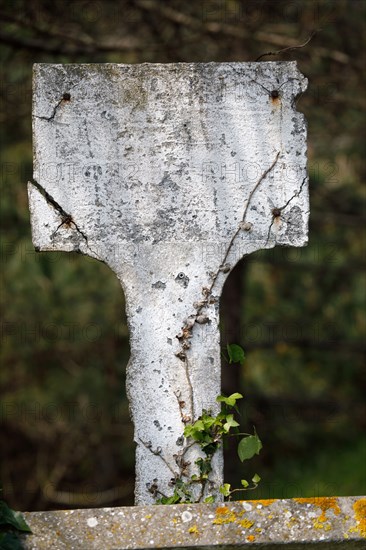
<point x="66" y="437"/>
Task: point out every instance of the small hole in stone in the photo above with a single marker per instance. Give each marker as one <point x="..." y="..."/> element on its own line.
<point x="276" y="212"/>
<point x="181" y="275"/>
<point x="66" y="96"/>
<point x="275" y="94"/>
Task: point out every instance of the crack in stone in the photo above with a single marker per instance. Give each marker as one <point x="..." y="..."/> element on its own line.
<point x="50" y="199"/>
<point x="297" y="194"/>
<point x="66" y="218"/>
<point x="48" y="118"/>
<point x="269" y="231"/>
<point x="65" y="98"/>
<point x="281" y="208"/>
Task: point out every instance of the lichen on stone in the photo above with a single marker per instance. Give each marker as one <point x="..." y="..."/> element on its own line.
<point x="360" y="515"/>
<point x="324" y="503"/>
<point x="246" y="523"/>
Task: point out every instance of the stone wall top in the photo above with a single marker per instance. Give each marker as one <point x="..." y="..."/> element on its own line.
<point x="323" y="523"/>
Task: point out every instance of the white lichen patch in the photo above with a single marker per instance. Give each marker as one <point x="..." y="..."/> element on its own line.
<point x="186" y="516"/>
<point x="92" y="522"/>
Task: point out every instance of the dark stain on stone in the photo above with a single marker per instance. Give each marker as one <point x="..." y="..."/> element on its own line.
<point x="157" y="424"/>
<point x="168" y="182"/>
<point x="159" y="284"/>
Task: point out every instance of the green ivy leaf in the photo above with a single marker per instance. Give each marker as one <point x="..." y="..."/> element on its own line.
<point x="256" y="478"/>
<point x="204" y="466"/>
<point x="174" y="499"/>
<point x="230" y="423"/>
<point x="236" y="353"/>
<point x="208" y="421"/>
<point x="199" y="426"/>
<point x="225" y="489"/>
<point x="196" y="431"/>
<point x="248" y="447"/>
<point x="231" y="400"/>
<point x="210" y="499"/>
<point x="188" y="431"/>
<point x="210" y="448"/>
<point x="9" y="518"/>
<point x="244" y="483"/>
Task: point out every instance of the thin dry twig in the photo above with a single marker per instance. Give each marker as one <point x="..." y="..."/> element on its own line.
<point x="290" y="48"/>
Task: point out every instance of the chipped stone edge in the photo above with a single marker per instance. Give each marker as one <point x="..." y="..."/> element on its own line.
<point x="314" y="522"/>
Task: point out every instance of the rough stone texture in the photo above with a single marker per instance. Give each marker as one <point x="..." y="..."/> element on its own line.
<point x="324" y="523"/>
<point x="169" y="174"/>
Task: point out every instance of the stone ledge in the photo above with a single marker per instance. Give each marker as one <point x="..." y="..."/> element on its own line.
<point x="323" y="523"/>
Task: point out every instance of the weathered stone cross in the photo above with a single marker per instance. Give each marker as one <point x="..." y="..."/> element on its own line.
<point x="169" y="174"/>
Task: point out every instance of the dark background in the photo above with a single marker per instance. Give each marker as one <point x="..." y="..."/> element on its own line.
<point x="66" y="437"/>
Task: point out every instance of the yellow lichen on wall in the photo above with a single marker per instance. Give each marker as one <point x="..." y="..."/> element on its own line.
<point x="324" y="503"/>
<point x="194" y="530"/>
<point x="224" y="515"/>
<point x="322" y="525"/>
<point x="360" y="516"/>
<point x="246" y="523"/>
<point x="264" y="502"/>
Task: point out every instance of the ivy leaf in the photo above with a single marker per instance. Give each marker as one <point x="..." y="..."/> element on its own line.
<point x="244" y="483"/>
<point x="210" y="499"/>
<point x="256" y="478"/>
<point x="210" y="448"/>
<point x="231" y="400"/>
<point x="225" y="489"/>
<point x="174" y="499"/>
<point x="199" y="426"/>
<point x="9" y="518"/>
<point x="204" y="466"/>
<point x="236" y="353"/>
<point x="208" y="421"/>
<point x="188" y="431"/>
<point x="230" y="423"/>
<point x="195" y="431"/>
<point x="248" y="447"/>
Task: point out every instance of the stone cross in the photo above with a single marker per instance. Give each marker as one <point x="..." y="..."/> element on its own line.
<point x="170" y="174"/>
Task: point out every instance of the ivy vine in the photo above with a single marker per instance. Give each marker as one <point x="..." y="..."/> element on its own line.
<point x="209" y="432"/>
